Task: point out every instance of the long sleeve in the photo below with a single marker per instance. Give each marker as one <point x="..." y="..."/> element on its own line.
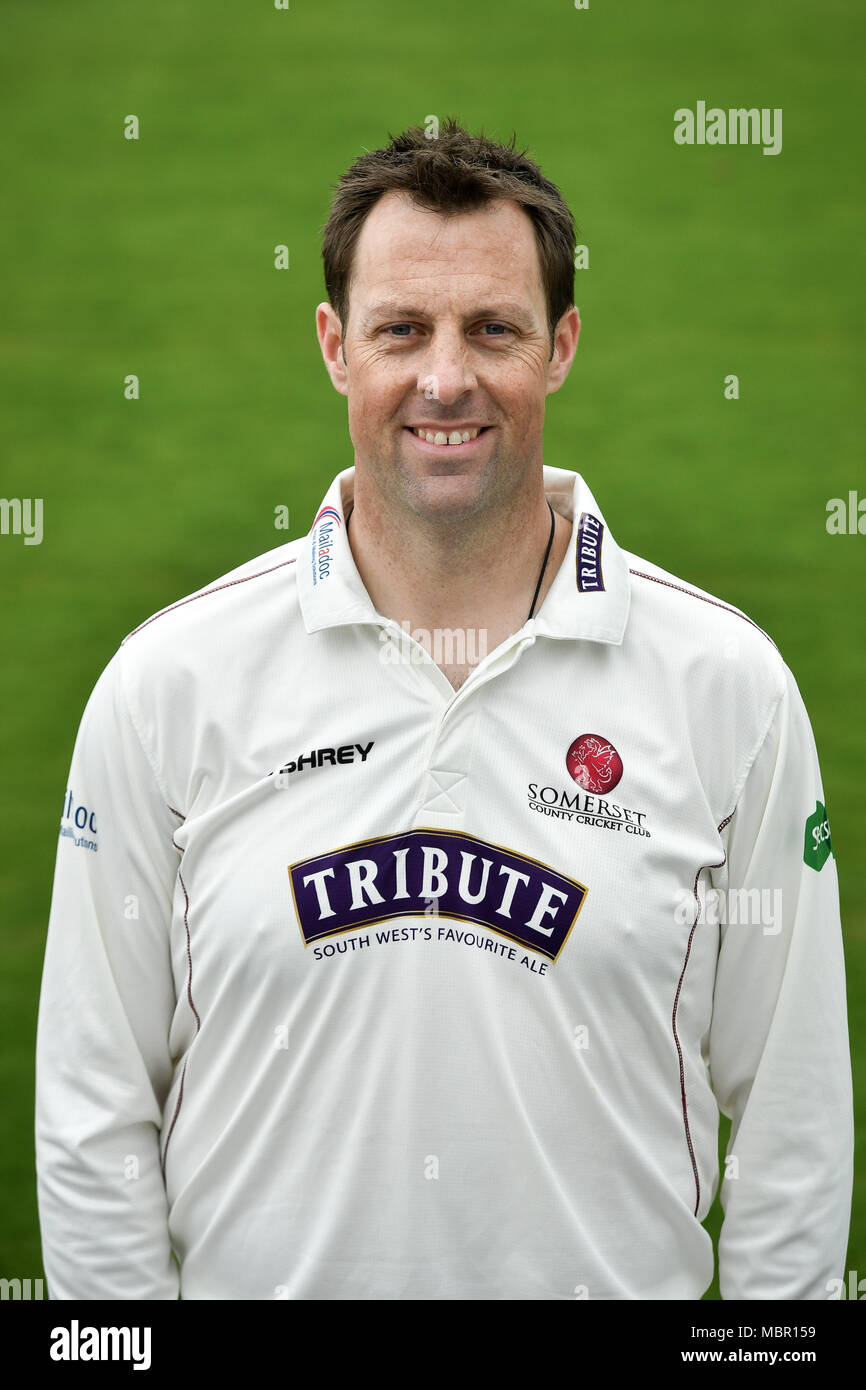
<point x="103" y="1067"/>
<point x="778" y="1051"/>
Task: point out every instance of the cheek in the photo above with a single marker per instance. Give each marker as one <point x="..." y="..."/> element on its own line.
<point x="375" y="381"/>
<point x="372" y="417"/>
<point x="524" y="409"/>
<point x="522" y="385"/>
<point x="378" y="402"/>
<point x="362" y="407"/>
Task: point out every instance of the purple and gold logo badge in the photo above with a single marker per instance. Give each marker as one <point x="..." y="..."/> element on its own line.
<point x="464" y="877"/>
<point x="590" y="535"/>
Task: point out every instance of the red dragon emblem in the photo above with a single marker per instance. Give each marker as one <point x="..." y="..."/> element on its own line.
<point x="594" y="763"/>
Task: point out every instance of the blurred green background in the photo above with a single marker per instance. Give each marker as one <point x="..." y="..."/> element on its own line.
<point x="156" y="257"/>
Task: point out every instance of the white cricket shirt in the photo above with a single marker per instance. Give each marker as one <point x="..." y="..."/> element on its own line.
<point x="357" y="987"/>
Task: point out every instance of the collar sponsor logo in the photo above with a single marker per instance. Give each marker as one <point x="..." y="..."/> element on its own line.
<point x="466" y="878"/>
<point x="590" y="535"/>
<point x="322" y="542"/>
<point x="594" y="763"/>
<point x="320" y="757"/>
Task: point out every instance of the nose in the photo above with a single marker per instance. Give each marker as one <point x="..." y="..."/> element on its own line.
<point x="446" y="372"/>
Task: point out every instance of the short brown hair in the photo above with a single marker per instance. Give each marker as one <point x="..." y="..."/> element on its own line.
<point x="455" y="172"/>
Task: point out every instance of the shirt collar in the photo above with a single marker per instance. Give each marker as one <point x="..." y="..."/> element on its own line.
<point x="589" y="598"/>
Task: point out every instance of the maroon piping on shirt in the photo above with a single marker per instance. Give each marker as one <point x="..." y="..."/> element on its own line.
<point x="229" y="584"/>
<point x="704" y="599"/>
<point x="719" y="828"/>
<point x="197" y="1020"/>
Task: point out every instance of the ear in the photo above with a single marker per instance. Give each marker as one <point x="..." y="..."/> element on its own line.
<point x="330" y="333"/>
<point x="564" y="348"/>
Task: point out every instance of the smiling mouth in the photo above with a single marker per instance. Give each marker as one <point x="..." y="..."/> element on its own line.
<point x="448" y="438"/>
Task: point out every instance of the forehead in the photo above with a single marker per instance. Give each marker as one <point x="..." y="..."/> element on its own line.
<point x="403" y="246"/>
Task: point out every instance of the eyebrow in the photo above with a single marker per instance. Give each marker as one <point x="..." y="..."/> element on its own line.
<point x="394" y="309"/>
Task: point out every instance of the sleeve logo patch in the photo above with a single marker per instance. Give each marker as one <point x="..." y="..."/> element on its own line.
<point x="818" y="846"/>
<point x="78" y="823"/>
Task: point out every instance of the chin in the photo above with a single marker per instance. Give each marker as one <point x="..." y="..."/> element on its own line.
<point x="448" y="497"/>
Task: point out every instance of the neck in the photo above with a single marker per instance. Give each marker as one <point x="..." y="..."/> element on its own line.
<point x="439" y="574"/>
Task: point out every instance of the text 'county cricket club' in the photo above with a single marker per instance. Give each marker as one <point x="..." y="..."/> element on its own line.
<point x="466" y="878"/>
<point x="323" y="533"/>
<point x="596" y="767"/>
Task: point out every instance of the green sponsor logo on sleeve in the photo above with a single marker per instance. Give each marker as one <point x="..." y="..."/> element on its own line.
<point x="818" y="846"/>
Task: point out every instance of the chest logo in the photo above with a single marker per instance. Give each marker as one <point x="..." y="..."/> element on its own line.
<point x="466" y="878"/>
<point x="594" y="763"/>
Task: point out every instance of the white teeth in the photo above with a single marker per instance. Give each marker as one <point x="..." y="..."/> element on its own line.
<point x="440" y="437"/>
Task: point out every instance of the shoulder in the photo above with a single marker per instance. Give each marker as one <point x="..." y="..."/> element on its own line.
<point x="706" y="664"/>
<point x="203" y="638"/>
<point x="678" y="600"/>
<point x="701" y="637"/>
<point x="696" y="615"/>
<point x="209" y="606"/>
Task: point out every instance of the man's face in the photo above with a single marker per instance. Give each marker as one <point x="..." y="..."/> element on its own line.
<point x="447" y="333"/>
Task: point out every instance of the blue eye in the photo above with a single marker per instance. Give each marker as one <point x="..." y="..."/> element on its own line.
<point x="403" y="330"/>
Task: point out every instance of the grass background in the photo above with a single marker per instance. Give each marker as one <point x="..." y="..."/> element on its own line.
<point x="155" y="257"/>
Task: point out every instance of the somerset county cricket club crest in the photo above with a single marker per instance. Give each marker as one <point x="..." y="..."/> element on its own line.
<point x="594" y="763"/>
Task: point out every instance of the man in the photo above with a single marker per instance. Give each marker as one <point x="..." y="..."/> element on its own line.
<point x="454" y="867"/>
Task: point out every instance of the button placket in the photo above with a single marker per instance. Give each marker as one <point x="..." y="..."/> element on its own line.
<point x="444" y="787"/>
